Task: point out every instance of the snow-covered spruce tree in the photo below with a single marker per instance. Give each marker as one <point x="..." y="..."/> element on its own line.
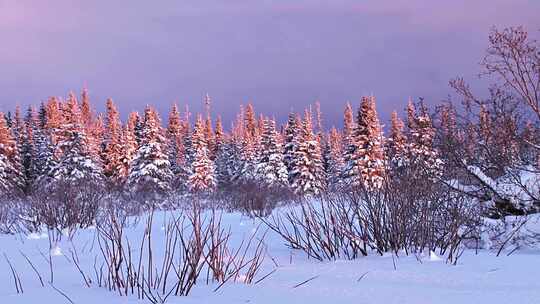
<point x="202" y="178"/>
<point x="176" y="151"/>
<point x="307" y="175"/>
<point x="229" y="156"/>
<point x="150" y="174"/>
<point x="208" y="130"/>
<point x="348" y="126"/>
<point x="271" y="170"/>
<point x="28" y="147"/>
<point x="333" y="157"/>
<point x="112" y="155"/>
<point x="53" y="120"/>
<point x="365" y="163"/>
<point x="94" y="129"/>
<point x="396" y="145"/>
<point x="96" y="135"/>
<point x="87" y="115"/>
<point x="422" y="153"/>
<point x="292" y="131"/>
<point x="11" y="178"/>
<point x="250" y="147"/>
<point x="128" y="151"/>
<point x="75" y="166"/>
<point x="45" y="159"/>
<point x="219" y="135"/>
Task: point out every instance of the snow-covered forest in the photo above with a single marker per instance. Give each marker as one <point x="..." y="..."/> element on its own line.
<point x="436" y="182"/>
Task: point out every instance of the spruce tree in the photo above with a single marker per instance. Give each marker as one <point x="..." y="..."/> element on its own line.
<point x="113" y="161"/>
<point x="202" y="178"/>
<point x="11" y="178"/>
<point x="150" y="174"/>
<point x="292" y="131"/>
<point x="75" y="164"/>
<point x="365" y="160"/>
<point x="334" y="159"/>
<point x="307" y="175"/>
<point x="396" y="147"/>
<point x="176" y="150"/>
<point x="422" y="153"/>
<point x="271" y="170"/>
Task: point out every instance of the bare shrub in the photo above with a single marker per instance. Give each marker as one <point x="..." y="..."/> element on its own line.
<point x="253" y="198"/>
<point x="195" y="245"/>
<point x="65" y="206"/>
<point x="394" y="218"/>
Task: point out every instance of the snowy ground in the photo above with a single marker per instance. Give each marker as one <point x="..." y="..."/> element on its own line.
<point x="478" y="278"/>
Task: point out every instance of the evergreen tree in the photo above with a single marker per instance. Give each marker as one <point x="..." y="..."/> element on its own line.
<point x="150" y="174"/>
<point x="208" y="130"/>
<point x="250" y="147"/>
<point x="202" y="178"/>
<point x="45" y="159"/>
<point x="365" y="162"/>
<point x="28" y="146"/>
<point x="271" y="169"/>
<point x="128" y="151"/>
<point x="11" y="178"/>
<point x="53" y="120"/>
<point x="396" y="147"/>
<point x="348" y="126"/>
<point x="422" y="153"/>
<point x="113" y="160"/>
<point x="308" y="170"/>
<point x="334" y="159"/>
<point x="292" y="131"/>
<point x="75" y="164"/>
<point x="176" y="150"/>
<point x="87" y="115"/>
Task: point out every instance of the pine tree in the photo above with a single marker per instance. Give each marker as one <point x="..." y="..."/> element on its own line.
<point x="307" y="175"/>
<point x="271" y="169"/>
<point x="202" y="178"/>
<point x="365" y="163"/>
<point x="150" y="174"/>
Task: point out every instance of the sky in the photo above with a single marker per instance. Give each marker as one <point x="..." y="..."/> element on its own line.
<point x="281" y="55"/>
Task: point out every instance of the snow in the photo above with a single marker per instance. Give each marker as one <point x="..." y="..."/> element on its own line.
<point x="477" y="278"/>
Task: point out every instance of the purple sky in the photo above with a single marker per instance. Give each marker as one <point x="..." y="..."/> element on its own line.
<point x="279" y="54"/>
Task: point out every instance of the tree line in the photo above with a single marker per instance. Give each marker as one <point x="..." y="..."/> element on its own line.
<point x="483" y="148"/>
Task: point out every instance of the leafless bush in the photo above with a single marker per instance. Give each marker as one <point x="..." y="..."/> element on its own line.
<point x="10" y="211"/>
<point x="253" y="198"/>
<point x="195" y="244"/>
<point x="65" y="206"/>
<point x="390" y="219"/>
